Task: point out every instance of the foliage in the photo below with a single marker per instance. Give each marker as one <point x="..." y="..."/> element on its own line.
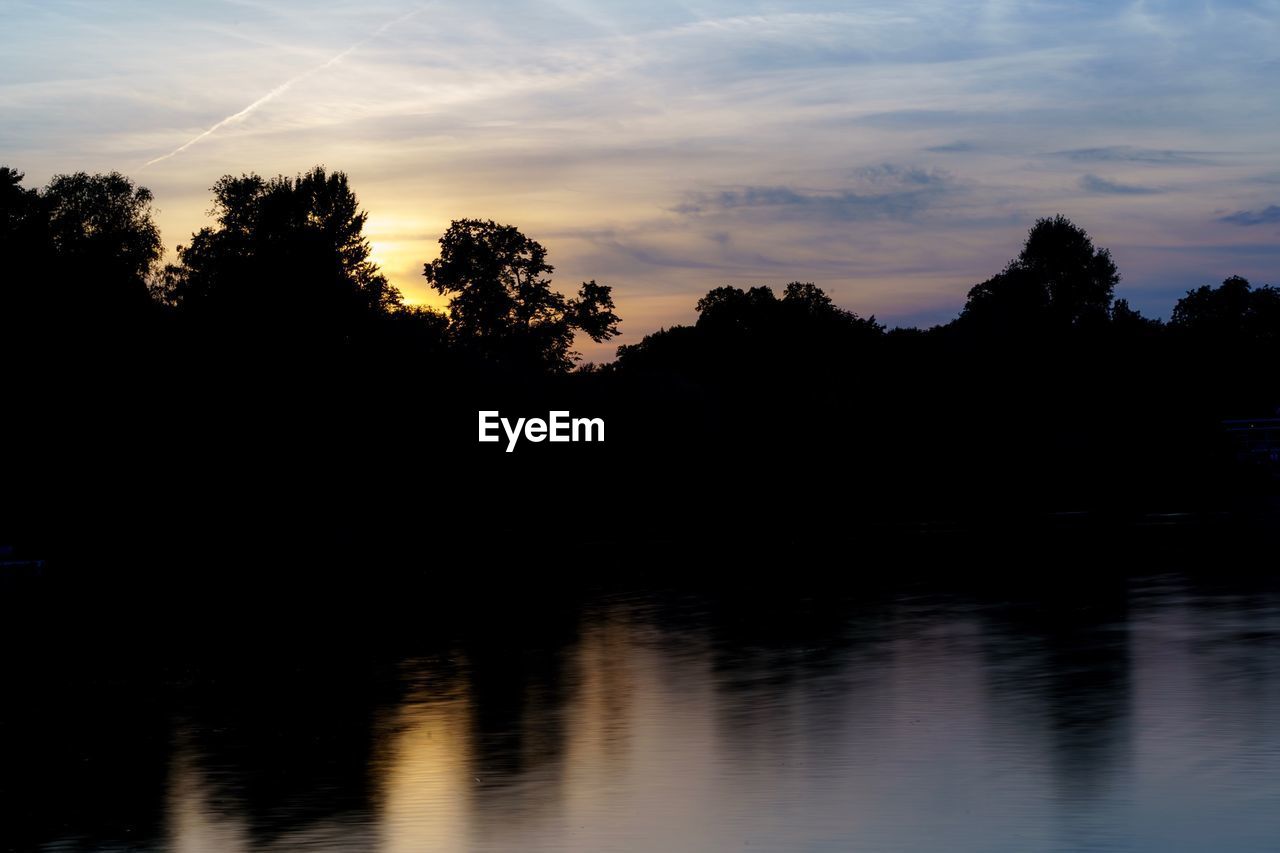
<point x="1059" y="280"/>
<point x="501" y="302"/>
<point x="287" y="254"/>
<point x="739" y="329"/>
<point x="1234" y="311"/>
<point x="82" y="248"/>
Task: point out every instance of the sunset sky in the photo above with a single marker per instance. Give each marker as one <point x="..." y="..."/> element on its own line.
<point x="895" y="153"/>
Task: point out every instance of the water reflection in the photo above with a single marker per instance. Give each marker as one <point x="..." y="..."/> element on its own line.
<point x="425" y="769"/>
<point x="1136" y="715"/>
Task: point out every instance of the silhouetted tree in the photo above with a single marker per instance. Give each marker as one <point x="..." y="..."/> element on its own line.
<point x="103" y="223"/>
<point x="501" y="302"/>
<point x="805" y="313"/>
<point x="285" y="267"/>
<point x="78" y="253"/>
<point x="750" y="329"/>
<point x="1234" y="311"/>
<point x="93" y="237"/>
<point x="1128" y="324"/>
<point x="1059" y="279"/>
<point x="286" y="253"/>
<point x="809" y="310"/>
<point x="805" y="297"/>
<point x="1009" y="301"/>
<point x="24" y="253"/>
<point x="19" y="208"/>
<point x="415" y="331"/>
<point x="731" y="310"/>
<point x="1080" y="279"/>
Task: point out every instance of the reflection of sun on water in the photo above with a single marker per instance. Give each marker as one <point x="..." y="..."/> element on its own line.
<point x="425" y="773"/>
<point x="600" y="726"/>
<point x="603" y="732"/>
<point x="194" y="825"/>
<point x="595" y="772"/>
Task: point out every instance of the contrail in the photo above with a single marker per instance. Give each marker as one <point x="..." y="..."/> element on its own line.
<point x="284" y="87"/>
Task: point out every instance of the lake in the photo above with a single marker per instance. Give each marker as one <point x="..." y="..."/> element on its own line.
<point x="1139" y="711"/>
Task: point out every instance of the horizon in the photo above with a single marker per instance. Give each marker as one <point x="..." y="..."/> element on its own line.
<point x="895" y="156"/>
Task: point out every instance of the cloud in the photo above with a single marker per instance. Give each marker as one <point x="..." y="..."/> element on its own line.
<point x="1267" y="216"/>
<point x="892" y="173"/>
<point x="1129" y="154"/>
<point x="284" y="87"/>
<point x="1095" y="184"/>
<point x="842" y="204"/>
<point x="586" y="114"/>
<point x="952" y="148"/>
<point x="887" y="191"/>
<point x="1020" y="115"/>
<point x="644" y="249"/>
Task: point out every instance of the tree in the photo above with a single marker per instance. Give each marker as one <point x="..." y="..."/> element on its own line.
<point x="501" y="302"/>
<point x="24" y="250"/>
<point x="1009" y="301"/>
<point x="81" y="250"/>
<point x="804" y="316"/>
<point x="287" y="254"/>
<point x="1129" y="322"/>
<point x="733" y="311"/>
<point x="104" y="240"/>
<point x="18" y="208"/>
<point x="1235" y="312"/>
<point x="1079" y="278"/>
<point x="1059" y="279"/>
<point x="752" y="331"/>
<point x="809" y="311"/>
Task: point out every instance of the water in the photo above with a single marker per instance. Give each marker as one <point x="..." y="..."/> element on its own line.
<point x="1140" y="714"/>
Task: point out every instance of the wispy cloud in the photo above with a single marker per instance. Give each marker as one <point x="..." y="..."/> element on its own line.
<point x="587" y="114"/>
<point x="1095" y="184"/>
<point x="958" y="147"/>
<point x="284" y="87"/>
<point x="1267" y="216"/>
<point x="889" y="191"/>
<point x="1130" y="154"/>
<point x="843" y="205"/>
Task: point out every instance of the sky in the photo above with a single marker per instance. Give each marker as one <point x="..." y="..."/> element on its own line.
<point x="894" y="153"/>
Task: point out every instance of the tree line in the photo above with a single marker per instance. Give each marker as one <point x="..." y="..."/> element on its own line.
<point x="285" y="265"/>
<point x="286" y="260"/>
<point x="273" y="343"/>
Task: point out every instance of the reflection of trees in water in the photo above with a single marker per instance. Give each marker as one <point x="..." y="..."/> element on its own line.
<point x="517" y="736"/>
<point x="1058" y="669"/>
<point x="870" y="715"/>
<point x="556" y="725"/>
<point x="1209" y="660"/>
<point x="286" y="732"/>
<point x="82" y="756"/>
<point x="1236" y="622"/>
<point x="201" y="817"/>
<point x="786" y="663"/>
<point x="519" y="680"/>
